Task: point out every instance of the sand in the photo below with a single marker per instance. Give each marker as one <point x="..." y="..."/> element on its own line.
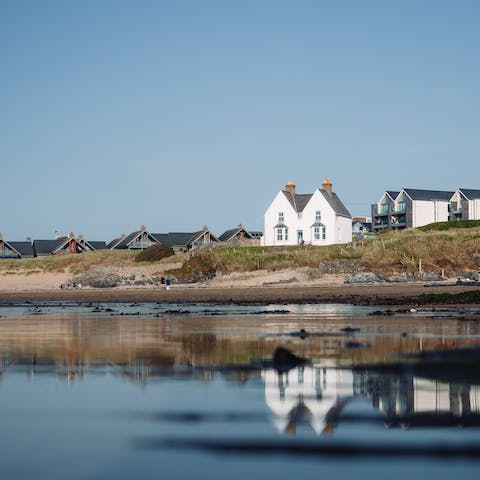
<point x="287" y="286"/>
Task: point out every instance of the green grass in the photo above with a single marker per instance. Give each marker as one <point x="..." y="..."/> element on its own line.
<point x="74" y="264"/>
<point x="442" y="226"/>
<point x="471" y="296"/>
<point x="393" y="252"/>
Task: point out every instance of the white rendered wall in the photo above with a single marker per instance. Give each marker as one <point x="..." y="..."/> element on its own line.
<point x="474" y="209"/>
<point x="441" y="211"/>
<point x="338" y="229"/>
<point x="422" y="213"/>
<point x="280" y="204"/>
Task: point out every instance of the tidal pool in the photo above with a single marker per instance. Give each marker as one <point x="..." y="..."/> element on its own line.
<point x="201" y="391"/>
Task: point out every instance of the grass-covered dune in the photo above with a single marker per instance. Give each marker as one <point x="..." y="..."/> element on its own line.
<point x="76" y="264"/>
<point x="454" y="250"/>
<point x="454" y="247"/>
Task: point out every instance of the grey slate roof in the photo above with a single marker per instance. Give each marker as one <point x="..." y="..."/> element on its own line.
<point x="179" y="239"/>
<point x="114" y="242"/>
<point x="470" y="194"/>
<point x="25" y="249"/>
<point x="392" y="194"/>
<point x="336" y="204"/>
<point x="298" y="200"/>
<point x="125" y="241"/>
<point x="229" y="234"/>
<point x="416" y="194"/>
<point x="98" y="245"/>
<point x="47" y="247"/>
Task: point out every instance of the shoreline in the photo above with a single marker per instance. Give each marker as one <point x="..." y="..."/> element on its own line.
<point x="404" y="294"/>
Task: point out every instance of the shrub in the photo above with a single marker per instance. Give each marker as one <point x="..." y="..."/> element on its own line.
<point x="154" y="253"/>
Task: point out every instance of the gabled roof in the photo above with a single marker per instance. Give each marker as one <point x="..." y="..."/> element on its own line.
<point x="232" y="233"/>
<point x="392" y="194"/>
<point x="115" y="242"/>
<point x="298" y="200"/>
<point x="181" y="239"/>
<point x="25" y="249"/>
<point x="97" y="245"/>
<point x="470" y="194"/>
<point x="336" y="204"/>
<point x="47" y="246"/>
<point x="50" y="247"/>
<point x="125" y="241"/>
<point x="416" y="194"/>
<point x="10" y="246"/>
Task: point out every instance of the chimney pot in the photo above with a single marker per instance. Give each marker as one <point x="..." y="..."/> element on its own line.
<point x="327" y="186"/>
<point x="290" y="187"/>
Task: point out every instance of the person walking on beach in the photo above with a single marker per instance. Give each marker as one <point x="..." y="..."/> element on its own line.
<point x="167" y="284"/>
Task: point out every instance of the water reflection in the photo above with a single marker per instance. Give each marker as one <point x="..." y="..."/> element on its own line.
<point x="124" y="391"/>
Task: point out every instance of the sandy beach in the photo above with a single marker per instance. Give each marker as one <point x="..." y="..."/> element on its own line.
<point x="405" y="294"/>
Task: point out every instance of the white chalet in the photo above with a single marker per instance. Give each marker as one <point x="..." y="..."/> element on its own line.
<point x="318" y="218"/>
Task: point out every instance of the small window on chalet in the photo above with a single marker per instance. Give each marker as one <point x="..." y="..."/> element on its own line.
<point x="281" y="217"/>
<point x="318" y="216"/>
<point x="299" y="215"/>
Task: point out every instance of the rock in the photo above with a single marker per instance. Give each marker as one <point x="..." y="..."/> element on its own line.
<point x="364" y="277"/>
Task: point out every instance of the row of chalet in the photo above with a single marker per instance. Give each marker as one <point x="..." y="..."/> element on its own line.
<point x="138" y="240"/>
<point x="411" y="208"/>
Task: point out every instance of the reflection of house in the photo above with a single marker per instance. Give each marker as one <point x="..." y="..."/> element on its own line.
<point x="138" y="240"/>
<point x="465" y="205"/>
<point x="407" y="398"/>
<point x="15" y="249"/>
<point x="185" y="241"/>
<point x="410" y="208"/>
<point x="318" y="218"/>
<point x="306" y="394"/>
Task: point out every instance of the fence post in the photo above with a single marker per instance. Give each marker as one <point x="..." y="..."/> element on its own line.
<point x="420" y="265"/>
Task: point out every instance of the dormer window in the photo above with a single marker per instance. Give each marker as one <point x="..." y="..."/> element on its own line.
<point x="318" y="216"/>
<point x="281" y="217"/>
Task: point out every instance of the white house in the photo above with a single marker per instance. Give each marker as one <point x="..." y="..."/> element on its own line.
<point x="465" y="205"/>
<point x="318" y="218"/>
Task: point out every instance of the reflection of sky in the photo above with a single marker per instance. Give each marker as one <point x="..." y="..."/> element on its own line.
<point x="85" y="429"/>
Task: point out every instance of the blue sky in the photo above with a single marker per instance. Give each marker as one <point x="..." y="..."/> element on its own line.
<point x="175" y="114"/>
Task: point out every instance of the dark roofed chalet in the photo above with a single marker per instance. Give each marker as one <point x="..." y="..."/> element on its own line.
<point x="24" y="248"/>
<point x="58" y="246"/>
<point x="15" y="249"/>
<point x="235" y="234"/>
<point x="185" y="241"/>
<point x="138" y="240"/>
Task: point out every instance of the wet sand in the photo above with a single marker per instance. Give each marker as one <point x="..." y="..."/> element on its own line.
<point x="355" y="294"/>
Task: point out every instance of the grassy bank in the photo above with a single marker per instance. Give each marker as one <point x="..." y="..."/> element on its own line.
<point x="438" y="247"/>
<point x="451" y="250"/>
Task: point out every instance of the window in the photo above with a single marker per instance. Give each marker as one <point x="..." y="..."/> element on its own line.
<point x="299" y="215"/>
<point x="316" y="233"/>
<point x="286" y="233"/>
<point x="281" y="217"/>
<point x="324" y="232"/>
<point x="383" y="208"/>
<point x="318" y="216"/>
<point x="280" y="234"/>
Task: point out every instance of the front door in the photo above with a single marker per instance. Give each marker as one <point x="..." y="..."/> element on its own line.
<point x="299" y="237"/>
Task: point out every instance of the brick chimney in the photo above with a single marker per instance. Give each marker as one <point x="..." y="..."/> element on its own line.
<point x="327" y="186"/>
<point x="290" y="187"/>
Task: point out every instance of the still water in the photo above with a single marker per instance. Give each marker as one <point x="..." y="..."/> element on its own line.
<point x="206" y="391"/>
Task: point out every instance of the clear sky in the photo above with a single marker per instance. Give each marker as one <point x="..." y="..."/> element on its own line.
<point x="175" y="114"/>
